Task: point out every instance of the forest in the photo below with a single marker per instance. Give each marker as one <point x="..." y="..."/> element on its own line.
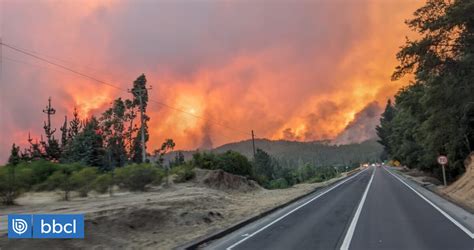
<point x="434" y="115"/>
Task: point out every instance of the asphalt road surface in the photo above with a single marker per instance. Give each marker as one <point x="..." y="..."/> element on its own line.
<point x="373" y="209"/>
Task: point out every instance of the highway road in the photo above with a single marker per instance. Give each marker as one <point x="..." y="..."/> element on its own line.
<point x="374" y="209"/>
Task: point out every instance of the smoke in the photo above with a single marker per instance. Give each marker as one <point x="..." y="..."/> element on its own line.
<point x="298" y="70"/>
<point x="206" y="140"/>
<point x="362" y="128"/>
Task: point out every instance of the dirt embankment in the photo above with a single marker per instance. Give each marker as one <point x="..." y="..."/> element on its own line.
<point x="162" y="218"/>
<point x="462" y="190"/>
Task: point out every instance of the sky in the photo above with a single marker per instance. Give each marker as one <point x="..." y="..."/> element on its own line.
<point x="295" y="70"/>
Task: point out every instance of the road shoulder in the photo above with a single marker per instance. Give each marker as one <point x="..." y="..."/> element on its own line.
<point x="462" y="216"/>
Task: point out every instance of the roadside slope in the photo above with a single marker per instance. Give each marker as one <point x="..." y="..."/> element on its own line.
<point x="462" y="190"/>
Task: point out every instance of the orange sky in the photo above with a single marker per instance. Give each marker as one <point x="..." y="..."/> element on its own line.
<point x="297" y="70"/>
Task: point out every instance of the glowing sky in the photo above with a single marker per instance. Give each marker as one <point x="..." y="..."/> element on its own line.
<point x="298" y="70"/>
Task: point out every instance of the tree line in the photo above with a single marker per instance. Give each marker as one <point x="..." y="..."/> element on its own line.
<point x="105" y="153"/>
<point x="434" y="114"/>
<point x="111" y="140"/>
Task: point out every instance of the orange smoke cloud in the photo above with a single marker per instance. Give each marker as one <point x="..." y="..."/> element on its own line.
<point x="291" y="70"/>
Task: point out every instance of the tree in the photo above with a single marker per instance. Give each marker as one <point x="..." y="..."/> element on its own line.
<point x="384" y="129"/>
<point x="74" y="125"/>
<point x="130" y="115"/>
<point x="51" y="145"/>
<point x="64" y="136"/>
<point x="263" y="165"/>
<point x="12" y="183"/>
<point x="140" y="100"/>
<point x="167" y="146"/>
<point x="442" y="60"/>
<point x="113" y="131"/>
<point x="14" y="158"/>
<point x="87" y="146"/>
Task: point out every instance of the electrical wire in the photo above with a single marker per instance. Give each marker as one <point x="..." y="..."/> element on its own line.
<point x="93" y="78"/>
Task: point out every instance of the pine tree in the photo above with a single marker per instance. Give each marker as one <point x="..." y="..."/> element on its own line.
<point x="87" y="146"/>
<point x="74" y="125"/>
<point x="51" y="145"/>
<point x="34" y="152"/>
<point x="64" y="135"/>
<point x="14" y="158"/>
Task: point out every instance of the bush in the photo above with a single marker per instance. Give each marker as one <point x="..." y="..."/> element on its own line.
<point x="230" y="161"/>
<point x="40" y="171"/>
<point x="102" y="183"/>
<point x="136" y="177"/>
<point x="60" y="180"/>
<point x="13" y="182"/>
<point x="278" y="184"/>
<point x="205" y="160"/>
<point x="234" y="163"/>
<point x="83" y="180"/>
<point x="183" y="173"/>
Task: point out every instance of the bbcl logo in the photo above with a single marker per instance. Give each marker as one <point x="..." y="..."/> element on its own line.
<point x="46" y="226"/>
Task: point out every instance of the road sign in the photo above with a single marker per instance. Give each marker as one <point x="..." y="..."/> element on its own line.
<point x="442" y="160"/>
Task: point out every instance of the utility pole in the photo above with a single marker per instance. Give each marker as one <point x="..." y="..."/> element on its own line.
<point x="253" y="144"/>
<point x="140" y="93"/>
<point x="47" y="127"/>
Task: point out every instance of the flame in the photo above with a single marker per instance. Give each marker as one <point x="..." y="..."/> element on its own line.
<point x="277" y="88"/>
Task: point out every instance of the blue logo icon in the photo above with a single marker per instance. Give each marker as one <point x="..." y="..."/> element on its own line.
<point x="19" y="226"/>
<point x="46" y="226"/>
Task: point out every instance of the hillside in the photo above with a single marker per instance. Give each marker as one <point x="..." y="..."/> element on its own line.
<point x="291" y="153"/>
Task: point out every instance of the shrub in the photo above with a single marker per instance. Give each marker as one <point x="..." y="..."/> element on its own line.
<point x="61" y="179"/>
<point x="234" y="163"/>
<point x="83" y="180"/>
<point x="102" y="183"/>
<point x="183" y="173"/>
<point x="160" y="175"/>
<point x="13" y="182"/>
<point x="230" y="161"/>
<point x="136" y="177"/>
<point x="206" y="160"/>
<point x="41" y="170"/>
<point x="278" y="183"/>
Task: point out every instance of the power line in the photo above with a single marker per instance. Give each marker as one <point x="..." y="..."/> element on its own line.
<point x="116" y="87"/>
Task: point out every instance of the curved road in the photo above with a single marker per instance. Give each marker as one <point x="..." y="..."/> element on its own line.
<point x="373" y="209"/>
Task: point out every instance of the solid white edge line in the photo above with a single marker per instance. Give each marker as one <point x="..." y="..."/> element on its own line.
<point x="459" y="225"/>
<point x="350" y="231"/>
<point x="290" y="212"/>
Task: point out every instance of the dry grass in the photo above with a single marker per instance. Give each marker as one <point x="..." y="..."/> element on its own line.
<point x="160" y="219"/>
<point x="462" y="190"/>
